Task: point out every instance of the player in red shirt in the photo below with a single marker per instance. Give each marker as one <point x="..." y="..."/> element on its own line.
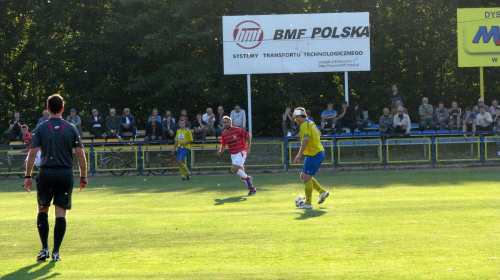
<point x="239" y="142"/>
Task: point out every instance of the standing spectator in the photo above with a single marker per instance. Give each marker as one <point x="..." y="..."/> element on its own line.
<point x="239" y="118"/>
<point x="395" y="110"/>
<point x="153" y="129"/>
<point x="155" y="115"/>
<point x="44" y="118"/>
<point x="480" y="102"/>
<point x="200" y="128"/>
<point x="401" y="122"/>
<point x="455" y="115"/>
<point x="426" y="114"/>
<point x="441" y="116"/>
<point x="396" y="95"/>
<point x="184" y="112"/>
<point x="183" y="140"/>
<point x="112" y="124"/>
<point x="75" y="120"/>
<point x="186" y="124"/>
<point x="219" y="126"/>
<point x="329" y="117"/>
<point x="288" y="124"/>
<point x="54" y="183"/>
<point x="346" y="118"/>
<point x="96" y="124"/>
<point x="168" y="128"/>
<point x="15" y="127"/>
<point x="385" y="122"/>
<point x="469" y="121"/>
<point x="127" y="124"/>
<point x="209" y="118"/>
<point x="484" y="121"/>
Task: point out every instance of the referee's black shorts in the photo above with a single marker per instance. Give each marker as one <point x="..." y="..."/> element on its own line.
<point x="57" y="184"/>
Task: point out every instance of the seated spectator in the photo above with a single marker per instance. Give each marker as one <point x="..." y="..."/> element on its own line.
<point x="112" y="124"/>
<point x="395" y="110"/>
<point x="494" y="110"/>
<point x="469" y="121"/>
<point x="184" y="112"/>
<point x="288" y="124"/>
<point x="329" y="118"/>
<point x="385" y="122"/>
<point x="15" y="133"/>
<point x="153" y="129"/>
<point x="480" y="102"/>
<point x="209" y="118"/>
<point x="346" y="118"/>
<point x="361" y="117"/>
<point x="168" y="129"/>
<point x="401" y="122"/>
<point x="155" y="114"/>
<point x="168" y="113"/>
<point x="187" y="124"/>
<point x="239" y="118"/>
<point x="484" y="121"/>
<point x="96" y="122"/>
<point x="44" y="118"/>
<point x="75" y="120"/>
<point x="455" y="115"/>
<point x="27" y="137"/>
<point x="426" y="114"/>
<point x="127" y="124"/>
<point x="219" y="127"/>
<point x="309" y="116"/>
<point x="200" y="128"/>
<point x="441" y="116"/>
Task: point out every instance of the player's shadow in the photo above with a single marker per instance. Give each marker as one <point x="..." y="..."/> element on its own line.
<point x="230" y="200"/>
<point x="31" y="272"/>
<point x="307" y="214"/>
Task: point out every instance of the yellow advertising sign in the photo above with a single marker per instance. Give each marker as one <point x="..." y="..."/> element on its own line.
<point x="478" y="34"/>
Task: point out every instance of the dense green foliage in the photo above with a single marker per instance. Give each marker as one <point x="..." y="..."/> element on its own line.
<point x="168" y="54"/>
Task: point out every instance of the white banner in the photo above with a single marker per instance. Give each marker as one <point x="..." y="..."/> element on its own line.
<point x="296" y="43"/>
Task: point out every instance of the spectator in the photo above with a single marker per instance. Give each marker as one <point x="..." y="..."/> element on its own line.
<point x="401" y="122"/>
<point x="167" y="114"/>
<point x="455" y="115"/>
<point x="153" y="129"/>
<point x="15" y="132"/>
<point x="361" y="118"/>
<point x="168" y="128"/>
<point x="329" y="117"/>
<point x="200" y="128"/>
<point x="239" y="117"/>
<point x="385" y="122"/>
<point x="209" y="118"/>
<point x="75" y="120"/>
<point x="288" y="124"/>
<point x="27" y="137"/>
<point x="426" y="115"/>
<point x="484" y="121"/>
<point x="155" y="115"/>
<point x="441" y="116"/>
<point x="44" y="118"/>
<point x="480" y="102"/>
<point x="219" y="127"/>
<point x="309" y="116"/>
<point x="395" y="110"/>
<point x="127" y="124"/>
<point x="494" y="110"/>
<point x="184" y="112"/>
<point x="187" y="124"/>
<point x="469" y="121"/>
<point x="97" y="124"/>
<point x="112" y="124"/>
<point x="347" y="118"/>
<point x="396" y="96"/>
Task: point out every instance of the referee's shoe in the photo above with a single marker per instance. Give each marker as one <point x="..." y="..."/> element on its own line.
<point x="44" y="253"/>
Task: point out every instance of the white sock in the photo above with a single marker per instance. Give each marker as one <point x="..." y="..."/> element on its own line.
<point x="241" y="174"/>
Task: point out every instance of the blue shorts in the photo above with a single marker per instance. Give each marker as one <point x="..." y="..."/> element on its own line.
<point x="312" y="163"/>
<point x="182" y="153"/>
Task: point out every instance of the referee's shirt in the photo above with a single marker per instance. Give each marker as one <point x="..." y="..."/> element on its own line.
<point x="56" y="139"/>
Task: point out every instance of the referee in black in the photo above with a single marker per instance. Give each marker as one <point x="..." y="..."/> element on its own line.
<point x="56" y="138"/>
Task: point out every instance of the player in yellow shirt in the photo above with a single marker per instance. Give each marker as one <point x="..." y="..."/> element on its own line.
<point x="183" y="140"/>
<point x="315" y="153"/>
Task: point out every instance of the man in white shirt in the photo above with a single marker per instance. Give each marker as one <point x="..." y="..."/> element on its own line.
<point x="484" y="120"/>
<point x="209" y="118"/>
<point x="238" y="117"/>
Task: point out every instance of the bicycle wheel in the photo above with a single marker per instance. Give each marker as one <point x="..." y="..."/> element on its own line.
<point x="117" y="165"/>
<point x="160" y="171"/>
<point x="4" y="169"/>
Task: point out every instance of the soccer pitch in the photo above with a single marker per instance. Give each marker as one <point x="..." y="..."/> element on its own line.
<point x="423" y="224"/>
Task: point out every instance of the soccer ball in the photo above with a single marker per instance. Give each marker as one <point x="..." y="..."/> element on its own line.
<point x="300" y="200"/>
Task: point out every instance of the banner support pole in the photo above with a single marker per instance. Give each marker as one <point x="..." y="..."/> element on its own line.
<point x="249" y="96"/>
<point x="481" y="81"/>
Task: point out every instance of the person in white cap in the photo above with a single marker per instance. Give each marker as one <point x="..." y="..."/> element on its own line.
<point x="480" y="102"/>
<point x="401" y="122"/>
<point x="312" y="148"/>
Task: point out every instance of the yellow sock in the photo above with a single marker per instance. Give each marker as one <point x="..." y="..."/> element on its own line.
<point x="309" y="191"/>
<point x="186" y="170"/>
<point x="317" y="186"/>
<point x="182" y="171"/>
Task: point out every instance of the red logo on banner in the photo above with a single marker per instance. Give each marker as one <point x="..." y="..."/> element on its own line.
<point x="248" y="34"/>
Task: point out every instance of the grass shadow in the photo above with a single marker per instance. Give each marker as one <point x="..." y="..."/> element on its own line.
<point x="230" y="200"/>
<point x="308" y="214"/>
<point x="31" y="272"/>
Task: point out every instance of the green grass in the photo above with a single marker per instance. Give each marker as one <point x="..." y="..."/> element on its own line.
<point x="426" y="224"/>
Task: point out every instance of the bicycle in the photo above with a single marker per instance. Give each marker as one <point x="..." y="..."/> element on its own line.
<point x="115" y="164"/>
<point x="160" y="163"/>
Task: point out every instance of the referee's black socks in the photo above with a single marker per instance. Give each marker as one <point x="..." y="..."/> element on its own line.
<point x="59" y="231"/>
<point x="42" y="223"/>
